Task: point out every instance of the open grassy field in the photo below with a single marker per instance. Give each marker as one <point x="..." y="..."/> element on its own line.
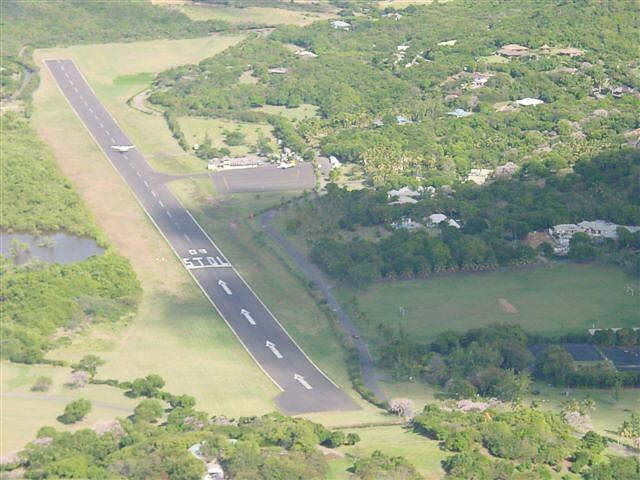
<point x="24" y="412"/>
<point x="195" y="129"/>
<point x="425" y="454"/>
<point x="120" y="70"/>
<point x="176" y="333"/>
<point x="551" y="301"/>
<point x="262" y="15"/>
<point x="294" y="114"/>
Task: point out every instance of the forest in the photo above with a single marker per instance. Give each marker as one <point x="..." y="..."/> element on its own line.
<point x="495" y="221"/>
<point x="384" y="87"/>
<point x="166" y="436"/>
<point x="497" y="362"/>
<point x="37" y="298"/>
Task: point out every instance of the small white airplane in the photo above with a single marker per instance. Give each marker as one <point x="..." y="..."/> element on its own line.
<point x="122" y="148"/>
<point x="285" y="165"/>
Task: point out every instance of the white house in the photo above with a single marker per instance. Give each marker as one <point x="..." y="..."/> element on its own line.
<point x="447" y="43"/>
<point x="404" y="195"/>
<point x="478" y="175"/>
<point x="459" y="113"/>
<point x="407" y="224"/>
<point x="598" y="229"/>
<point x="527" y="102"/>
<point x="341" y="25"/>
<point x="436" y="218"/>
<point x="335" y="163"/>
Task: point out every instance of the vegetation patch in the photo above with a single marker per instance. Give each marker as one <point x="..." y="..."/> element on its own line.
<point x="134" y="79"/>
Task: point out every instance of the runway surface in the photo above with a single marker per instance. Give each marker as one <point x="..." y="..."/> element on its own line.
<point x="305" y="388"/>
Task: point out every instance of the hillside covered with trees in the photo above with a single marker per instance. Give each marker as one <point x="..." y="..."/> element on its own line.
<point x="387" y="88"/>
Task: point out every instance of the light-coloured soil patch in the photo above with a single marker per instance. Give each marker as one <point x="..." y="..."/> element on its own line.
<point x="247" y="77"/>
<point x="506" y="307"/>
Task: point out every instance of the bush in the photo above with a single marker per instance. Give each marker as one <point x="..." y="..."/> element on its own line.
<point x="75" y="411"/>
<point x="42" y="384"/>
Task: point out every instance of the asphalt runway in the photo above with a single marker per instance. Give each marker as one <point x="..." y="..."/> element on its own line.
<point x="265" y="178"/>
<point x="304" y="387"/>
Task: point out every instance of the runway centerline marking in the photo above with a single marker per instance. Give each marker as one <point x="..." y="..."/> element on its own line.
<point x="186" y="237"/>
<point x="169" y="214"/>
<point x="154" y="193"/>
<point x="146" y="184"/>
<point x="160" y="203"/>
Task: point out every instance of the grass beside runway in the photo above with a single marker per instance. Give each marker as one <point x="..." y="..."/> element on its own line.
<point x="118" y="71"/>
<point x="176" y="332"/>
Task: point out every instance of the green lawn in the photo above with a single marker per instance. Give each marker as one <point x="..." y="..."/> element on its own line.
<point x="395" y="440"/>
<point x="195" y="129"/>
<point x="551" y="301"/>
<point x="294" y="114"/>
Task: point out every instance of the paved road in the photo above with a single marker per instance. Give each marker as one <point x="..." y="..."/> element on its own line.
<point x="305" y="388"/>
<point x="369" y="376"/>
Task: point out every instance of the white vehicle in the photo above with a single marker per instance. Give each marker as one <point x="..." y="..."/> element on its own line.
<point x="122" y="148"/>
<point x="285" y="165"/>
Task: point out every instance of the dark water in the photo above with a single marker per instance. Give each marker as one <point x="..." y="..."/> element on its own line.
<point x="56" y="248"/>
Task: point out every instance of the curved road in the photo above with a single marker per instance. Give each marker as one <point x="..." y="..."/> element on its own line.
<point x="305" y="388"/>
<point x="369" y="376"/>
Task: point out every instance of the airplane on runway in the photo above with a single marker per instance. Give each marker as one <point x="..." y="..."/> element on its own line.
<point x="123" y="148"/>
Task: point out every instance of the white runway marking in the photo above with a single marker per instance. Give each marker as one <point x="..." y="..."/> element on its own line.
<point x="70" y="82"/>
<point x="138" y="173"/>
<point x="86" y="104"/>
<point x="161" y="204"/>
<point x="90" y="110"/>
<point x="154" y="193"/>
<point x="131" y="165"/>
<point x="75" y="89"/>
<point x="169" y="214"/>
<point x="107" y="132"/>
<point x="66" y="74"/>
<point x="186" y="237"/>
<point x="146" y="184"/>
<point x="61" y="68"/>
<point x="112" y="139"/>
<point x="101" y="124"/>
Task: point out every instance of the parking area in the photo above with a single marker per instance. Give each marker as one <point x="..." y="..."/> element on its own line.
<point x="265" y="178"/>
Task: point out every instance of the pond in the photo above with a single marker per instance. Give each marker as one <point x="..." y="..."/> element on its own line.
<point x="54" y="248"/>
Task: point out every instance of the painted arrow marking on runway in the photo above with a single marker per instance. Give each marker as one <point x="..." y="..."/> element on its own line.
<point x="271" y="346"/>
<point x="225" y="287"/>
<point x="247" y="315"/>
<point x="299" y="378"/>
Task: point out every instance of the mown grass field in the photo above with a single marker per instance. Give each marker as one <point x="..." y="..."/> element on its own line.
<point x="560" y="299"/>
<point x="24" y="411"/>
<point x="195" y="129"/>
<point x="262" y="15"/>
<point x="118" y="71"/>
